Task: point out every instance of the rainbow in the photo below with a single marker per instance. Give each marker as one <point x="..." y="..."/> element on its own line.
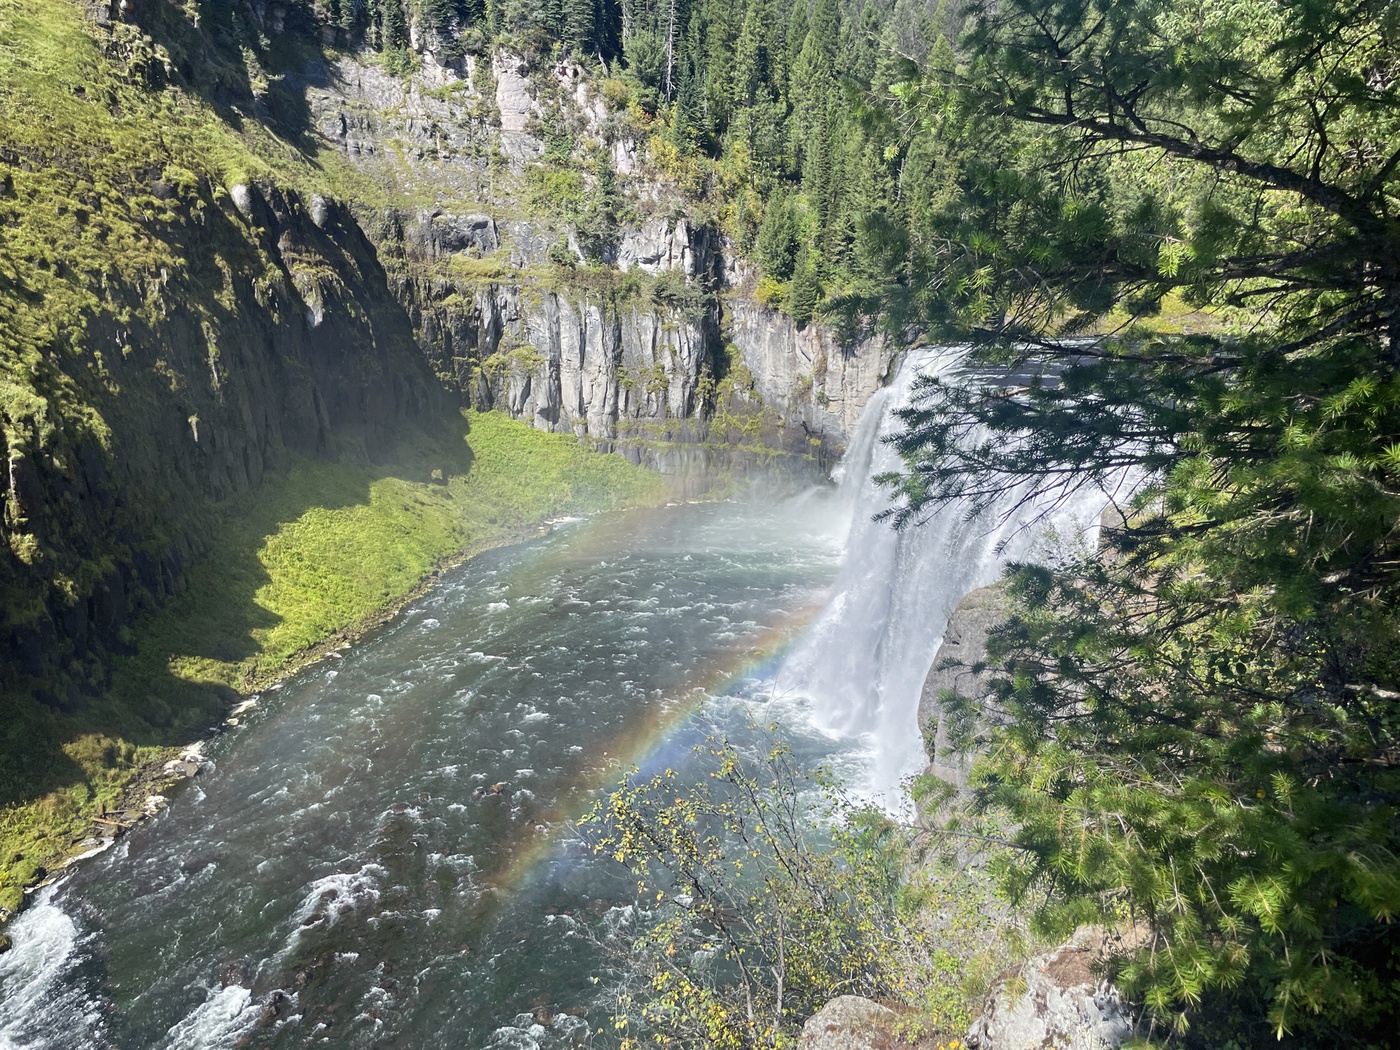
<point x="649" y="742"/>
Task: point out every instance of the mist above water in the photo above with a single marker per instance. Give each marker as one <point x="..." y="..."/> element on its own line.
<point x="863" y="662"/>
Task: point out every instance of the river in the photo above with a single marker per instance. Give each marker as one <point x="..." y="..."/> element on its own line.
<point x="376" y="855"/>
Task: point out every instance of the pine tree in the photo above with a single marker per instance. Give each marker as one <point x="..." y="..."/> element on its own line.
<point x="778" y="238"/>
<point x="813" y="83"/>
<point x="644" y="58"/>
<point x="578" y="21"/>
<point x="393" y="35"/>
<point x="806" y="289"/>
<point x="1202" y="731"/>
<point x="724" y="20"/>
<point x="687" y="119"/>
<point x="597" y="230"/>
<point x="750" y="59"/>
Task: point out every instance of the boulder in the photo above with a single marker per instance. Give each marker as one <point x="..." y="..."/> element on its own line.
<point x="850" y="1022"/>
<point x="1057" y="999"/>
<point x="242" y="195"/>
<point x="320" y="211"/>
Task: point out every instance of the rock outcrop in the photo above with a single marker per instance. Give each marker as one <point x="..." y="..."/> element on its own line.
<point x="850" y="1022"/>
<point x="964" y="640"/>
<point x="1056" y="1000"/>
<point x="643" y="359"/>
<point x="816" y="380"/>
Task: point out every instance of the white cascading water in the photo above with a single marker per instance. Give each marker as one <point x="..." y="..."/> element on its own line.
<point x="862" y="663"/>
<point x="37" y="977"/>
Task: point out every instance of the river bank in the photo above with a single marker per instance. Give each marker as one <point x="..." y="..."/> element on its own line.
<point x="313" y="561"/>
<point x="366" y="850"/>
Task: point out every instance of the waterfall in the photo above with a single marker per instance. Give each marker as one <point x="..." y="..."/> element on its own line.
<point x="862" y="663"/>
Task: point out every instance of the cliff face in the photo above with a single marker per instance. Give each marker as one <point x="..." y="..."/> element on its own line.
<point x="274" y="337"/>
<point x="650" y="340"/>
<point x="964" y="640"/>
<point x="655" y="350"/>
<point x="583" y="353"/>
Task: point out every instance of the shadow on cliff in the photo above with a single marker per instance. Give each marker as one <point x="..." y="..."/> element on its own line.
<point x="245" y="60"/>
<point x="189" y="657"/>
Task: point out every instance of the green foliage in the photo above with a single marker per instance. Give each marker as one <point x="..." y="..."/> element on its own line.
<point x="779" y="238"/>
<point x="763" y="895"/>
<point x="598" y="225"/>
<point x="805" y="292"/>
<point x="1200" y="728"/>
<point x="557" y="191"/>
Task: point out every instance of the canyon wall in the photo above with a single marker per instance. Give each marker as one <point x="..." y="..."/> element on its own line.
<point x="655" y="341"/>
<point x="274" y="337"/>
<point x="222" y="326"/>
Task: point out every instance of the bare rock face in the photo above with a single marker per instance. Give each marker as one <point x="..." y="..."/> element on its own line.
<point x="810" y="375"/>
<point x="512" y="92"/>
<point x="850" y="1022"/>
<point x="618" y="365"/>
<point x="657" y="247"/>
<point x="320" y="211"/>
<point x="1056" y="1000"/>
<point x="965" y="639"/>
<point x="243" y="199"/>
<point x="435" y="234"/>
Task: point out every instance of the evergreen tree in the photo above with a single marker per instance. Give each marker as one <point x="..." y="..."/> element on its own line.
<point x="578" y="24"/>
<point x="813" y="80"/>
<point x="393" y="28"/>
<point x="751" y="60"/>
<point x="724" y="20"/>
<point x="860" y="44"/>
<point x="645" y="58"/>
<point x="687" y="118"/>
<point x="806" y="289"/>
<point x="1203" y="731"/>
<point x="597" y="230"/>
<point x="778" y="238"/>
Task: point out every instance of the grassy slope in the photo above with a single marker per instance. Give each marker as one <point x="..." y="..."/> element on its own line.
<point x="88" y="134"/>
<point x="367" y="541"/>
<point x="315" y="552"/>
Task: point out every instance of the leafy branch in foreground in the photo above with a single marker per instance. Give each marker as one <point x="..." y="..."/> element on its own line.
<point x="762" y="895"/>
